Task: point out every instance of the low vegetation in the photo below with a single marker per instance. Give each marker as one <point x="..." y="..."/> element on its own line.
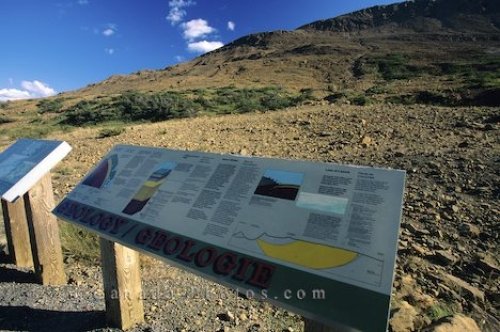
<point x="78" y="243"/>
<point x="481" y="73"/>
<point x="110" y="132"/>
<point x="50" y="105"/>
<point x="4" y="119"/>
<point x="439" y="311"/>
<point x="4" y="105"/>
<point x="136" y="106"/>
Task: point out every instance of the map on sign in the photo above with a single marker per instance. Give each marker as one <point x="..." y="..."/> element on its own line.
<point x="329" y="225"/>
<point x="25" y="162"/>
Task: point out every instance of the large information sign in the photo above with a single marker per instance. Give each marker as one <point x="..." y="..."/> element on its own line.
<point x="25" y="162"/>
<point x="317" y="238"/>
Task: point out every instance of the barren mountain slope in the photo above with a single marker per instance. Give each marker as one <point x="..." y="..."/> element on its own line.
<point x="431" y="40"/>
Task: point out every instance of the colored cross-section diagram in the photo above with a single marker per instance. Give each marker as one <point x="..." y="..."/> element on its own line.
<point x="103" y="173"/>
<point x="148" y="189"/>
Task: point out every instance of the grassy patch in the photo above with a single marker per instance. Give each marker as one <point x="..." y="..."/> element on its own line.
<point x="79" y="243"/>
<point x="393" y="66"/>
<point x="482" y="73"/>
<point x="27" y="131"/>
<point x="439" y="311"/>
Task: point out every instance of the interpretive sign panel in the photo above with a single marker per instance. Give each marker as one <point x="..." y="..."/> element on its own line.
<point x="25" y="162"/>
<point x="316" y="238"/>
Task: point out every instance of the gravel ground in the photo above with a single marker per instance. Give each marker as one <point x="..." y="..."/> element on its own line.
<point x="448" y="253"/>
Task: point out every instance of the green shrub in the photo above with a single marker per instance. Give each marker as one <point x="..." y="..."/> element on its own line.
<point x="110" y="132"/>
<point x="396" y="67"/>
<point x="401" y="99"/>
<point x="50" y="105"/>
<point x="334" y="97"/>
<point x="360" y="100"/>
<point x="88" y="112"/>
<point x="4" y="120"/>
<point x="4" y="105"/>
<point x="156" y="107"/>
<point x="439" y="311"/>
<point x="377" y="89"/>
<point x="136" y="106"/>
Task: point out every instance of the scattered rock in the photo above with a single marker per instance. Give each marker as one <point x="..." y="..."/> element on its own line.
<point x="455" y="323"/>
<point x="399" y="154"/>
<point x="471" y="292"/>
<point x="226" y="317"/>
<point x="366" y="141"/>
<point x="488" y="264"/>
<point x="445" y="257"/>
<point x="469" y="229"/>
<point x="403" y="320"/>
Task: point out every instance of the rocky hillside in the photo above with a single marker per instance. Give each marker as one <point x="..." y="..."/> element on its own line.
<point x="448" y="268"/>
<point x="425" y="51"/>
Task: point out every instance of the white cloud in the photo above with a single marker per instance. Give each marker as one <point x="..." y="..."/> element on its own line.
<point x="177" y="13"/>
<point x="13" y="94"/>
<point x="11" y="81"/>
<point x="196" y="29"/>
<point x="110" y="30"/>
<point x="204" y="46"/>
<point x="83" y="2"/>
<point x="179" y="58"/>
<point x="38" y="89"/>
<point x="31" y="89"/>
<point x="231" y="25"/>
<point x="109" y="51"/>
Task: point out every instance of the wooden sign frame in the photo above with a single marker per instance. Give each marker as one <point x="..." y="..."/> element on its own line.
<point x="27" y="199"/>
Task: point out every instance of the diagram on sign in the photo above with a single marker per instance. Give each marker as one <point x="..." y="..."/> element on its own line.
<point x="103" y="174"/>
<point x="324" y="259"/>
<point x="149" y="188"/>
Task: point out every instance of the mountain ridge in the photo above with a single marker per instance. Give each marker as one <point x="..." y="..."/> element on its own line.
<point x="420" y="16"/>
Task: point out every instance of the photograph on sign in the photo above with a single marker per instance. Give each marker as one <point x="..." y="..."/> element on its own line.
<point x="260" y="224"/>
<point x="279" y="184"/>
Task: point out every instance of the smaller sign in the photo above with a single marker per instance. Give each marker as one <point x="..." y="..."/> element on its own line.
<point x="25" y="162"/>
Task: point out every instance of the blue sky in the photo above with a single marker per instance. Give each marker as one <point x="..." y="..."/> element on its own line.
<point x="52" y="46"/>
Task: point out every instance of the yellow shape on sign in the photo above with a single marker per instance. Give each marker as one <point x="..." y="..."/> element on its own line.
<point x="307" y="254"/>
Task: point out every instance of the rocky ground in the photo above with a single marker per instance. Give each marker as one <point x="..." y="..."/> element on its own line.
<point x="447" y="273"/>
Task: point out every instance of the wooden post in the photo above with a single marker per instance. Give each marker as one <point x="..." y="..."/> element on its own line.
<point x="44" y="233"/>
<point x="122" y="285"/>
<point x="16" y="231"/>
